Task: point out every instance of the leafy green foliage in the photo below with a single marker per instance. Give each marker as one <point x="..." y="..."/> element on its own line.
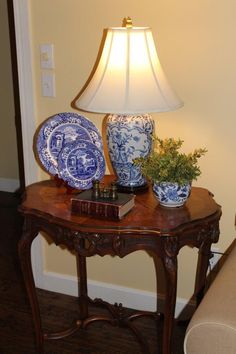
<point x="167" y="164"/>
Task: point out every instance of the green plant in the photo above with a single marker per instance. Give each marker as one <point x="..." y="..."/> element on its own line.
<point x="167" y="164"/>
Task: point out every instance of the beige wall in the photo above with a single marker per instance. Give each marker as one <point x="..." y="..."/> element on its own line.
<point x="195" y="41"/>
<point x="8" y="149"/>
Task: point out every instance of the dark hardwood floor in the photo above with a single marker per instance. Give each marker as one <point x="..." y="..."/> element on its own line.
<point x="58" y="311"/>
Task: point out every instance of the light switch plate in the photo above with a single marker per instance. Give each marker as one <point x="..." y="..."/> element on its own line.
<point x="46" y="56"/>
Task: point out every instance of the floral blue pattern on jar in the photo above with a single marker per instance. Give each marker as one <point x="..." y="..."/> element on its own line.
<point x="129" y="137"/>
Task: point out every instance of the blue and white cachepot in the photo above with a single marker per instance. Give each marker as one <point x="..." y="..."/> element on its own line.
<point x="171" y="194"/>
<point x="129" y="137"/>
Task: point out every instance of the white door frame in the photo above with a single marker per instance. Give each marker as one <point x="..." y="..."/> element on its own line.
<point x="28" y="113"/>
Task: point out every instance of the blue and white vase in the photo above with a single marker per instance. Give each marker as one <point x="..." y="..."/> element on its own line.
<point x="129" y="137"/>
<point x="171" y="194"/>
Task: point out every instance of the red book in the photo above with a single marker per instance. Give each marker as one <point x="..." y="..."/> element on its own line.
<point x="83" y="203"/>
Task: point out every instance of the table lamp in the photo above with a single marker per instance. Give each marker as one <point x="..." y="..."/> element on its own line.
<point x="127" y="83"/>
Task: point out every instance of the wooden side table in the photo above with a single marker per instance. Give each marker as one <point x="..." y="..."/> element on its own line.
<point x="148" y="226"/>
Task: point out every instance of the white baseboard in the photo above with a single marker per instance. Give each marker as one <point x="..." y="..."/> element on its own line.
<point x="9" y="184"/>
<point x="129" y="297"/>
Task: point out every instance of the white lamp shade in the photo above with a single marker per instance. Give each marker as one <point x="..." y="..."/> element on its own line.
<point x="129" y="78"/>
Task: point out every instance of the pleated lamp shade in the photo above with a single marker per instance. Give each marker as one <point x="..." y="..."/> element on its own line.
<point x="129" y="78"/>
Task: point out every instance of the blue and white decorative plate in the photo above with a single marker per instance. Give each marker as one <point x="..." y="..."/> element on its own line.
<point x="80" y="163"/>
<point x="59" y="130"/>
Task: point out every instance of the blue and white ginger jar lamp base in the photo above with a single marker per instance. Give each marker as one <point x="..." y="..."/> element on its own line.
<point x="129" y="137"/>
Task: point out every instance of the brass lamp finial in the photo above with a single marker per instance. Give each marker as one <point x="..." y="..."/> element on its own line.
<point x="128" y="22"/>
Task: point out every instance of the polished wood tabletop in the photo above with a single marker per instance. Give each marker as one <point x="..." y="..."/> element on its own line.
<point x="46" y="198"/>
<point x="148" y="226"/>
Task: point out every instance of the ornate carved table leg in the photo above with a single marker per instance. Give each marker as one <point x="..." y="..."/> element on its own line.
<point x="170" y="266"/>
<point x="202" y="265"/>
<point x="212" y="236"/>
<point x="83" y="290"/>
<point x="29" y="233"/>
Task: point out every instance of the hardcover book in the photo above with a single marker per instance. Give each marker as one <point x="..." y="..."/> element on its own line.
<point x="83" y="203"/>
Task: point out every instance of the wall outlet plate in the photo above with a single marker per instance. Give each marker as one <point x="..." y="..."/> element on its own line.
<point x="48" y="84"/>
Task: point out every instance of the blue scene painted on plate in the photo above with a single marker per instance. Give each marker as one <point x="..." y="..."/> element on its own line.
<point x="129" y="137"/>
<point x="60" y="130"/>
<point x="171" y="194"/>
<point x="80" y="163"/>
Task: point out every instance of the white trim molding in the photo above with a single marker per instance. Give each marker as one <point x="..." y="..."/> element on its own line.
<point x="28" y="115"/>
<point x="25" y="75"/>
<point x="129" y="297"/>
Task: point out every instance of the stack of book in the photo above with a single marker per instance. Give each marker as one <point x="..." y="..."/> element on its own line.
<point x="84" y="203"/>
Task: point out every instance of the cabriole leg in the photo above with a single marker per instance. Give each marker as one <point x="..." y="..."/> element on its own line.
<point x="24" y="248"/>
